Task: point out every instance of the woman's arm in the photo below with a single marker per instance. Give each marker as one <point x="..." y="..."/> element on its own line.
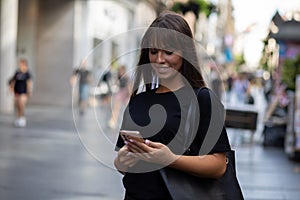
<point x="11" y="85"/>
<point x="29" y="87"/>
<point x="208" y="166"/>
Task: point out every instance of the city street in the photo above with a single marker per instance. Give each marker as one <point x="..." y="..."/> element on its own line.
<point x="55" y="52"/>
<point x="61" y="156"/>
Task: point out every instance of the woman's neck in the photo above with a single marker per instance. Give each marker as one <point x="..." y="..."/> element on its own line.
<point x="167" y="87"/>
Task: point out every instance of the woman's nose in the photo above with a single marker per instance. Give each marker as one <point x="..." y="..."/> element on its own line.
<point x="160" y="57"/>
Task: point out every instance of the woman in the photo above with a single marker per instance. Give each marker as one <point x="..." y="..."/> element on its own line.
<point x="167" y="68"/>
<point x="21" y="85"/>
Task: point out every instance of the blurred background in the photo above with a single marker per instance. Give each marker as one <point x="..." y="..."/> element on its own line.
<point x="250" y="57"/>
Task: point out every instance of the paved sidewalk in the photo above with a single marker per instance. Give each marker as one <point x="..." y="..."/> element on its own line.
<point x="267" y="174"/>
<point x="47" y="159"/>
<point x="61" y="156"/>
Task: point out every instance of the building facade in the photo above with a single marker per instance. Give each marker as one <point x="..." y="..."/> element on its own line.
<point x="55" y="35"/>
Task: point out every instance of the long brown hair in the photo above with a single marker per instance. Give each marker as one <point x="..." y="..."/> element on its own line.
<point x="168" y="31"/>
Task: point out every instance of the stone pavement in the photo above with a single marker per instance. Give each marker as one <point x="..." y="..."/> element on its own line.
<point x="267" y="173"/>
<point x="63" y="156"/>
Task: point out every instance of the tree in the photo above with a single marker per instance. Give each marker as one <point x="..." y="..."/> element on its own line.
<point x="290" y="69"/>
<point x="192" y="8"/>
<point x="196" y="6"/>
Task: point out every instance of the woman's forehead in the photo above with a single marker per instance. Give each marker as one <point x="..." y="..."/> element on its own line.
<point x="161" y="42"/>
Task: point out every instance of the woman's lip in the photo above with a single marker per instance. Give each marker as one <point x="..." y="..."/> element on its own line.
<point x="162" y="68"/>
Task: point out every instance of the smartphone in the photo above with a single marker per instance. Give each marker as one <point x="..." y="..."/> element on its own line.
<point x="136" y="135"/>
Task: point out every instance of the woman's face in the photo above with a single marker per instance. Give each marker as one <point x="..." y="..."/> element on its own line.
<point x="166" y="64"/>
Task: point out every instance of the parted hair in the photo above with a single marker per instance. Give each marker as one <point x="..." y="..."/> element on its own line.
<point x="168" y="31"/>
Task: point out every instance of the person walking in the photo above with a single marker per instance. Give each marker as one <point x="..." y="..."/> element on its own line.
<point x="106" y="82"/>
<point x="84" y="76"/>
<point x="239" y="89"/>
<point x="167" y="70"/>
<point x="21" y="85"/>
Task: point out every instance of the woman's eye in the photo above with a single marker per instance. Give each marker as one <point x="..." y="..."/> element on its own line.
<point x="153" y="51"/>
<point x="169" y="52"/>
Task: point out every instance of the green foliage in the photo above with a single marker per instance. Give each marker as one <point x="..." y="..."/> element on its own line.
<point x="240" y="59"/>
<point x="177" y="7"/>
<point x="204" y="6"/>
<point x="290" y="69"/>
<point x="263" y="61"/>
<point x="264" y="66"/>
<point x="197" y="6"/>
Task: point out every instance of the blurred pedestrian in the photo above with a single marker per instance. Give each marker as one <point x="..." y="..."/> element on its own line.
<point x="106" y="85"/>
<point x="121" y="97"/>
<point x="239" y="89"/>
<point x="256" y="91"/>
<point x="229" y="83"/>
<point x="251" y="91"/>
<point x="21" y="85"/>
<point x="216" y="82"/>
<point x="84" y="76"/>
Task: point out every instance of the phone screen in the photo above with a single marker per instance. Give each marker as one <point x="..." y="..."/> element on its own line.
<point x="126" y="135"/>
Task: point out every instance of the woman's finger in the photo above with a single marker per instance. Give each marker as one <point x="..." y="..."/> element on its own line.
<point x="142" y="156"/>
<point x="143" y="146"/>
<point x="132" y="147"/>
<point x="130" y="162"/>
<point x="137" y="151"/>
<point x="139" y="147"/>
<point x="156" y="145"/>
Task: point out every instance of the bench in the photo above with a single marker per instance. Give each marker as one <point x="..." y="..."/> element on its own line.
<point x="243" y="117"/>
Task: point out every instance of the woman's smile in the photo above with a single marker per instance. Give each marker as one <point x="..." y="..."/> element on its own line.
<point x="162" y="69"/>
<point x="166" y="64"/>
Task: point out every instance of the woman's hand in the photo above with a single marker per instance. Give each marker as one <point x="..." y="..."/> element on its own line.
<point x="125" y="159"/>
<point x="153" y="152"/>
<point x="208" y="166"/>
